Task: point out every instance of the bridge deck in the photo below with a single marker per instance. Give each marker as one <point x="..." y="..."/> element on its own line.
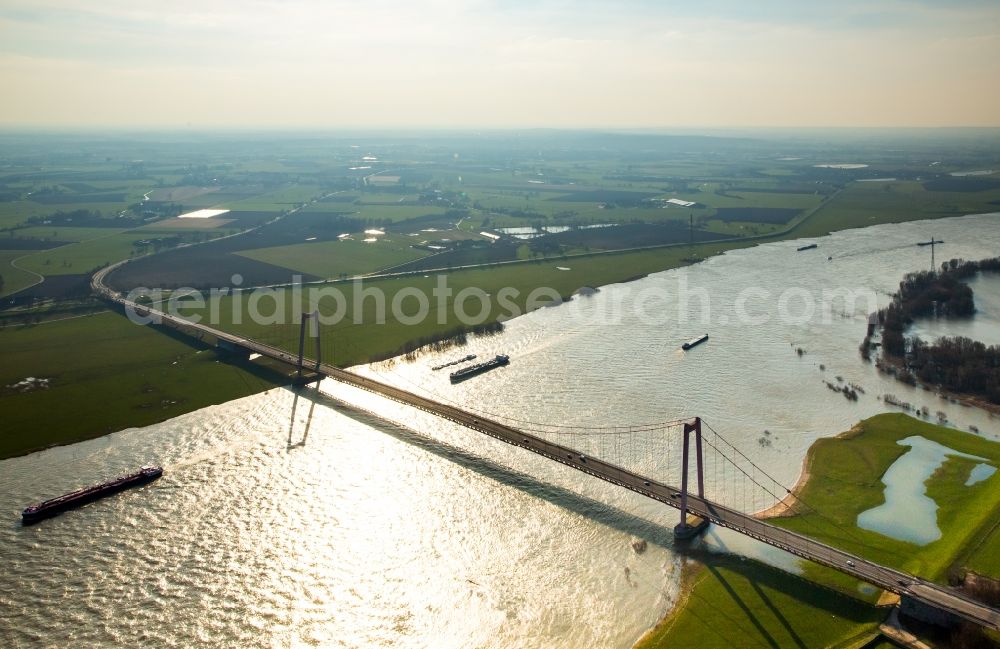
<point x="940" y="597"/>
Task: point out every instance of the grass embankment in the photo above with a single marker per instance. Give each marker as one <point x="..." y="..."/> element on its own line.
<point x="105" y="374"/>
<point x="984" y="556"/>
<point x="734" y="602"/>
<point x="744" y="603"/>
<point x="845" y="480"/>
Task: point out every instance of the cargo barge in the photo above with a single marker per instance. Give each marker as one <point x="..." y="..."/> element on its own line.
<point x="472" y="370"/>
<point x="49" y="508"/>
<point x="694" y="341"/>
<point x="809" y="247"/>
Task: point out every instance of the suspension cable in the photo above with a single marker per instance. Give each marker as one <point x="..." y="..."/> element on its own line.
<point x="851" y="533"/>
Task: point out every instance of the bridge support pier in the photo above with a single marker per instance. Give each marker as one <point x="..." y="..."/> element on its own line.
<point x="313" y="320"/>
<point x="690" y="525"/>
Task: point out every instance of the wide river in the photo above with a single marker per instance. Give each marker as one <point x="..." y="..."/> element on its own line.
<point x="287" y="520"/>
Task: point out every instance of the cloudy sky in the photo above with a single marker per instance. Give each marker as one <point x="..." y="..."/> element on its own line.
<point x="480" y="63"/>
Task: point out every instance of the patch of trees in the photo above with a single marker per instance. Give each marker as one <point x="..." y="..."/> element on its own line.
<point x="928" y="294"/>
<point x="959" y="364"/>
<point x="159" y="243"/>
<point x="154" y="210"/>
<point x="956" y="364"/>
<point x="506" y="211"/>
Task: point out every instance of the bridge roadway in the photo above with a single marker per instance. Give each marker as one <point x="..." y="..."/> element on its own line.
<point x="934" y="595"/>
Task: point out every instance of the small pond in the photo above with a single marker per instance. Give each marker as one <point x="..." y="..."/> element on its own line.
<point x="908" y="514"/>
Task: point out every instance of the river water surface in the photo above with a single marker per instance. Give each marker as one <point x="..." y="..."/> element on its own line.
<point x="289" y="519"/>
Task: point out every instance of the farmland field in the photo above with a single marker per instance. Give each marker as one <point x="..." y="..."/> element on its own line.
<point x="332" y="259"/>
<point x="147" y="375"/>
<point x="14" y="278"/>
<point x="84" y="256"/>
<point x="16" y="212"/>
<point x="63" y="234"/>
<point x="862" y="204"/>
<point x="773" y="215"/>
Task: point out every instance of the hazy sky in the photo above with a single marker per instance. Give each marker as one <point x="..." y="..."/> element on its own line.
<point x="475" y="63"/>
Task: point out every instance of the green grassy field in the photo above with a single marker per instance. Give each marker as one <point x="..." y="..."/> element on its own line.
<point x="85" y="256"/>
<point x="377" y="198"/>
<point x="277" y="200"/>
<point x="16" y="212"/>
<point x="743" y="603"/>
<point x="845" y="480"/>
<point x="864" y="204"/>
<point x="389" y="212"/>
<point x="332" y="258"/>
<point x="394" y="213"/>
<point x="983" y="554"/>
<point x="14" y="278"/>
<point x="737" y="229"/>
<point x="106" y="374"/>
<point x="63" y="234"/>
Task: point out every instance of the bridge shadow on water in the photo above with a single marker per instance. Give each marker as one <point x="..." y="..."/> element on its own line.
<point x="312" y="395"/>
<point x="608" y="515"/>
<point x="753" y="597"/>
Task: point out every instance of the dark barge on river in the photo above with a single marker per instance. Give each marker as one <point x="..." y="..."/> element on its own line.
<point x="74" y="499"/>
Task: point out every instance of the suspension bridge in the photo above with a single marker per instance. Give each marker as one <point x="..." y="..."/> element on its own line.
<point x="621" y="455"/>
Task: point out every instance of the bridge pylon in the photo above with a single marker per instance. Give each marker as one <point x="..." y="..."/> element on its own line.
<point x="313" y="320"/>
<point x="690" y="526"/>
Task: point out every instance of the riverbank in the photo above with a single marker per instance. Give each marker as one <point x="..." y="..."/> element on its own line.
<point x="787" y="505"/>
<point x="841" y="477"/>
<point x="65" y="381"/>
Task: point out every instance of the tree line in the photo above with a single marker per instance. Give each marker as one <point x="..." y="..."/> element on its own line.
<point x="957" y="364"/>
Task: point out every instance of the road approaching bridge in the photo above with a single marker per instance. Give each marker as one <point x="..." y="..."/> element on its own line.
<point x="935" y="596"/>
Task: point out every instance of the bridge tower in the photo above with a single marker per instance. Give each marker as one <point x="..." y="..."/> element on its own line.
<point x="690" y="526"/>
<point x="313" y="320"/>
